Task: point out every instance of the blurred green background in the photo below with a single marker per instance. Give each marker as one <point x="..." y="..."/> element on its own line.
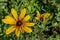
<point x="48" y="31"/>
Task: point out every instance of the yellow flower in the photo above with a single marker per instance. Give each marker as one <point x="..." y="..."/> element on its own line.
<point x="42" y="17"/>
<point x="18" y="23"/>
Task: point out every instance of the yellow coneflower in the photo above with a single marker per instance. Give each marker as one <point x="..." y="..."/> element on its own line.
<point x="18" y="23"/>
<point x="42" y="17"/>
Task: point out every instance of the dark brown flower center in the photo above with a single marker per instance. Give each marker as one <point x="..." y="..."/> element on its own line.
<point x="19" y="23"/>
<point x="41" y="19"/>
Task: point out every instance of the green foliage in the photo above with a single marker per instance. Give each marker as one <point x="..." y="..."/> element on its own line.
<point x="48" y="31"/>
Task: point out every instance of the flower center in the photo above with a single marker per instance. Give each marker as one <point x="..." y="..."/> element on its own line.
<point x="41" y="19"/>
<point x="19" y="23"/>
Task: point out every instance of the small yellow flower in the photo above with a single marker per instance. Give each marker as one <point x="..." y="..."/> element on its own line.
<point x="18" y="23"/>
<point x="42" y="17"/>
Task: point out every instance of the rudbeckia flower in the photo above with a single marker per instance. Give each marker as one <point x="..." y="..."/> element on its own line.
<point x="18" y="23"/>
<point x="41" y="17"/>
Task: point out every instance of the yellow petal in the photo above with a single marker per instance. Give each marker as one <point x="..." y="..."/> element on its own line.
<point x="46" y="15"/>
<point x="38" y="14"/>
<point x="26" y="18"/>
<point x="29" y="24"/>
<point x="37" y="18"/>
<point x="17" y="32"/>
<point x="14" y="13"/>
<point x="9" y="20"/>
<point x="11" y="29"/>
<point x="28" y="30"/>
<point x="23" y="12"/>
